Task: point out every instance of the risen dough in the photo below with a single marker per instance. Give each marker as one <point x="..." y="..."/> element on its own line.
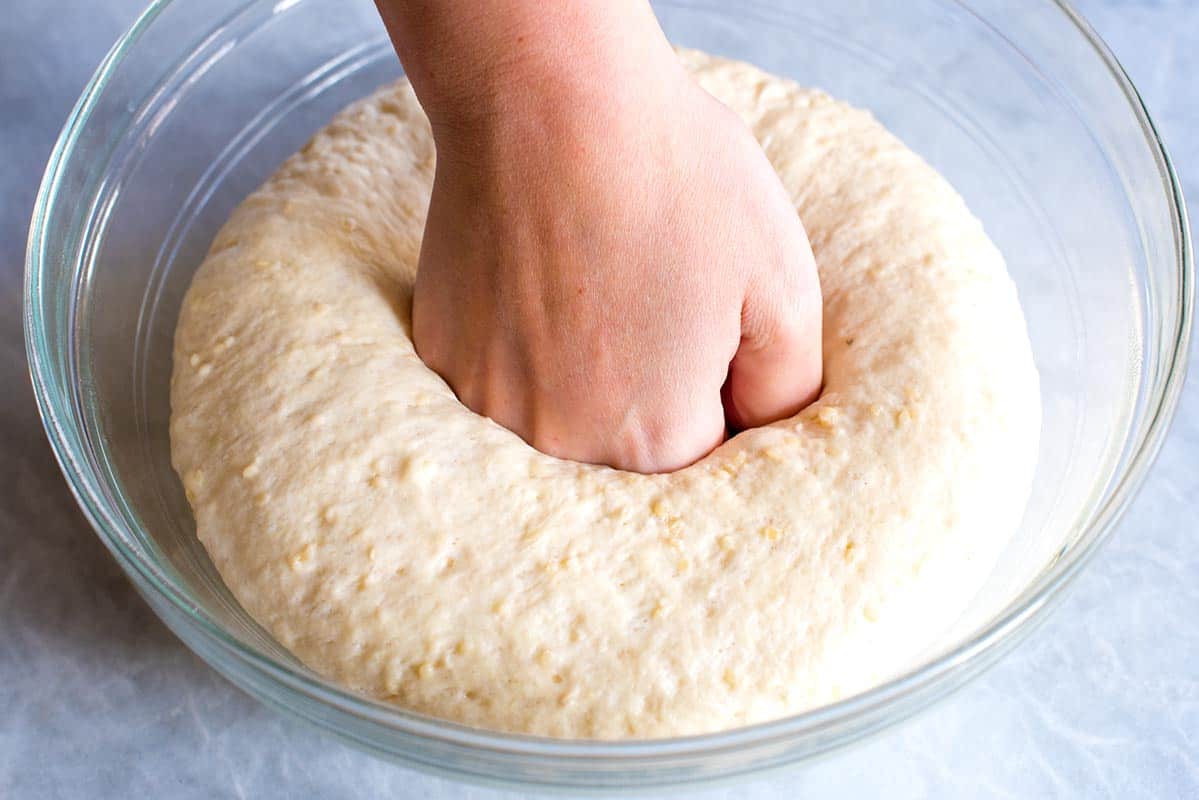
<point x="402" y="545"/>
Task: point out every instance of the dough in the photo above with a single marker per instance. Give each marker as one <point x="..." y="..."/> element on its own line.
<point x="408" y="548"/>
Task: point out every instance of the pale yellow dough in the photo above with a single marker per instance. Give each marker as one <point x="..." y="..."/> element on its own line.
<point x="402" y="545"/>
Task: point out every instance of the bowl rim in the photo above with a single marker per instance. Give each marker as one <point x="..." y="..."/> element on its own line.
<point x="969" y="656"/>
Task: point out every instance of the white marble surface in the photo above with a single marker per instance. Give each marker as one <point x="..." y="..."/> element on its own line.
<point x="98" y="699"/>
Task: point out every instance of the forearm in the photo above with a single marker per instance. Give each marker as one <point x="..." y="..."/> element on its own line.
<point x="463" y="56"/>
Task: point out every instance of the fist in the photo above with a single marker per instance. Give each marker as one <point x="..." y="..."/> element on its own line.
<point x="612" y="270"/>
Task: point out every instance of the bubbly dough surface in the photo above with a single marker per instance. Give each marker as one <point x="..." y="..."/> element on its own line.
<point x="408" y="548"/>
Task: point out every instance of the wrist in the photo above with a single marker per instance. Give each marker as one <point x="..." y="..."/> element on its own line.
<point x="473" y="64"/>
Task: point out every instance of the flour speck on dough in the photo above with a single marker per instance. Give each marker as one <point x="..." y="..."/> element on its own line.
<point x="400" y="544"/>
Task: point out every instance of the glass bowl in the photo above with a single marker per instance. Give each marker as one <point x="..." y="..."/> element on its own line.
<point x="1024" y="110"/>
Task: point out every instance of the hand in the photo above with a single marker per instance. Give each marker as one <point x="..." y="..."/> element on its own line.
<point x="610" y="267"/>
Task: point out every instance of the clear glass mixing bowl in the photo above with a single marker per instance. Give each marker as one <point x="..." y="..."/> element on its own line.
<point x="1023" y="109"/>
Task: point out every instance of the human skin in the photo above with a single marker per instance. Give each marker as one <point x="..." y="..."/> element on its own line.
<point x="610" y="267"/>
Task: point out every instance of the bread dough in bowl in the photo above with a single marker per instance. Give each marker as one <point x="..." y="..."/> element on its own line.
<point x="408" y="548"/>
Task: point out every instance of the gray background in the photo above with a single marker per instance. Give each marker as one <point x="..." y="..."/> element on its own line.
<point x="98" y="699"/>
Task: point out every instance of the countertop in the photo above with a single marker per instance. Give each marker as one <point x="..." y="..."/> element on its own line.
<point x="99" y="700"/>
